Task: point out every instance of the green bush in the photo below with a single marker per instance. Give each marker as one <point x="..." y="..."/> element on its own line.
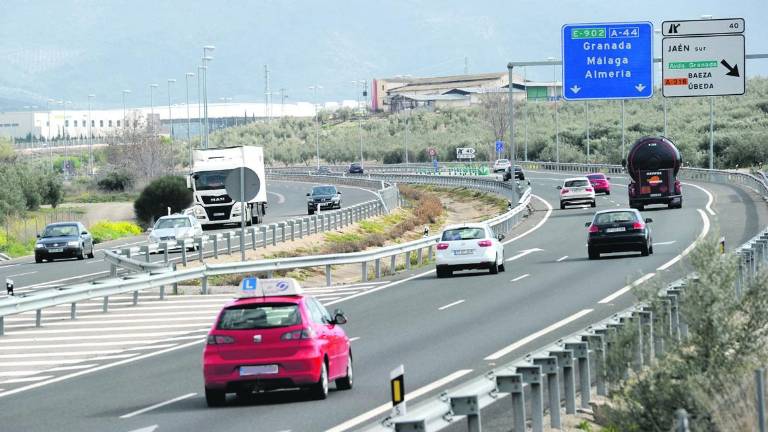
<point x="107" y="230"/>
<point x="154" y="200"/>
<point x="116" y="181"/>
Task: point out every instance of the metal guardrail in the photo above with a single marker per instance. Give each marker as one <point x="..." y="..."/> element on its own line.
<point x="161" y="277"/>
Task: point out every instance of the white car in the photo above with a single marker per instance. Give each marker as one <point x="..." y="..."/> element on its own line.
<point x="469" y="246"/>
<point x="577" y="190"/>
<point x="501" y="165"/>
<point x="175" y="227"/>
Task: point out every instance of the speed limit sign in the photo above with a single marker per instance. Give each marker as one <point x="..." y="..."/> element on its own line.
<point x="432" y="151"/>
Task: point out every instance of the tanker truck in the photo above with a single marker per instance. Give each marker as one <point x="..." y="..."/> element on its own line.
<point x="653" y="164"/>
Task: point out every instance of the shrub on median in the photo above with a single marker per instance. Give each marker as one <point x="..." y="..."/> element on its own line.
<point x="106" y="230"/>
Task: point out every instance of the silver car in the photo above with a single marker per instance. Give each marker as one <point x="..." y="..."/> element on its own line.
<point x="175" y="227"/>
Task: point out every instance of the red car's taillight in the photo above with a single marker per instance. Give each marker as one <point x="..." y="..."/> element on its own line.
<point x="305" y="333"/>
<point x="564" y="191"/>
<point x="593" y="229"/>
<point x="588" y="189"/>
<point x="442" y="246"/>
<point x="219" y="340"/>
<point x="638" y="225"/>
<point x="485" y="243"/>
<point x="678" y="188"/>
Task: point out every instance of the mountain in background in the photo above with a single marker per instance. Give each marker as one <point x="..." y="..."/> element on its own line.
<point x="67" y="49"/>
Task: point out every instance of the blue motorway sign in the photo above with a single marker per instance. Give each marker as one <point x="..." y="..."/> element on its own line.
<point x="607" y="61"/>
<point x="499" y="146"/>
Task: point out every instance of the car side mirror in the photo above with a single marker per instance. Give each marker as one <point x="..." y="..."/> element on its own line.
<point x="529" y="182"/>
<point x="38" y="235"/>
<point x="338" y="193"/>
<point x="588" y="224"/>
<point x="558" y="187"/>
<point x="339" y="318"/>
<point x="307" y="194"/>
<point x="85" y="233"/>
<point x="501" y="237"/>
<point x="648" y="220"/>
<point x="149" y="230"/>
<point x="607" y="178"/>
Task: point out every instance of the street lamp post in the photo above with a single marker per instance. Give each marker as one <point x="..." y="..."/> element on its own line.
<point x="152" y="108"/>
<point x="125" y="118"/>
<point x="663" y="99"/>
<point x="200" y="71"/>
<point x="170" y="114"/>
<point x="314" y="89"/>
<point x="64" y="129"/>
<point x="525" y="107"/>
<point x="90" y="136"/>
<point x="557" y="109"/>
<point x="189" y="134"/>
<point x="711" y="120"/>
<point x="205" y="59"/>
<point x="364" y="86"/>
<point x="226" y="100"/>
<point x="50" y="145"/>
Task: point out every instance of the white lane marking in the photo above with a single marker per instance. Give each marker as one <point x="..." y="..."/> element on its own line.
<point x="22" y="274"/>
<point x="72" y="367"/>
<point x="562" y="258"/>
<point x="626" y="289"/>
<point x="524" y="253"/>
<point x="146" y="429"/>
<point x="18" y="373"/>
<point x="101" y="330"/>
<point x="520" y="277"/>
<point x="143" y="343"/>
<point x="76" y="324"/>
<point x="58" y="354"/>
<point x="704" y="231"/>
<point x="538" y="225"/>
<point x="458" y="302"/>
<point x="158" y="405"/>
<point x="504" y="351"/>
<point x="710" y="198"/>
<point x="42" y="284"/>
<point x="28" y="379"/>
<point x="383" y="408"/>
<point x="94" y="261"/>
<point x="354" y="339"/>
<point x="280" y="197"/>
<point x="99" y="368"/>
<point x="664" y="243"/>
<point x="114" y="336"/>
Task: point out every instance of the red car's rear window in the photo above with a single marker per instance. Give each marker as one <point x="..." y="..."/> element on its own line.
<point x="596" y="177"/>
<point x="259" y="316"/>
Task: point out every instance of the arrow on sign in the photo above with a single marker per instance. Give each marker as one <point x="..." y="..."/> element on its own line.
<point x="575" y="89"/>
<point x="732" y="71"/>
<point x="639" y="87"/>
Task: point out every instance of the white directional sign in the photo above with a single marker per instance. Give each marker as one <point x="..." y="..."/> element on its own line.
<point x="710" y="65"/>
<point x="703" y="27"/>
<point x="465" y="153"/>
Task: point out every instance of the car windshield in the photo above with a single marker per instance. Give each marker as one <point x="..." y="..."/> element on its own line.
<point x="209" y="180"/>
<point x="615" y="217"/>
<point x="463" y="234"/>
<point x="259" y="316"/>
<point x="576" y="183"/>
<point x="502" y="161"/>
<point x="355" y="165"/>
<point x="596" y="177"/>
<point x="60" y="231"/>
<point x="173" y="223"/>
<point x="324" y="190"/>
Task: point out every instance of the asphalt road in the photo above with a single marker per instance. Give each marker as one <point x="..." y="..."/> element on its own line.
<point x="285" y="200"/>
<point x="550" y="285"/>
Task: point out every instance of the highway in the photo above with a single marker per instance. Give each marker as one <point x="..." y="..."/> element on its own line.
<point x="443" y="331"/>
<point x="285" y="200"/>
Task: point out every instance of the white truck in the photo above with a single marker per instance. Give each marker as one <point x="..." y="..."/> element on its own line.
<point x="212" y="205"/>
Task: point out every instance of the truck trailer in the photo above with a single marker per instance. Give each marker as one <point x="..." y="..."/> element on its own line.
<point x="653" y="164"/>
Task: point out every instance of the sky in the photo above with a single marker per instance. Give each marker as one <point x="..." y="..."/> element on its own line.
<point x="68" y="49"/>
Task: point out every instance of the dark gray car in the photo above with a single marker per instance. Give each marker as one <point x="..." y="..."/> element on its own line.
<point x="324" y="197"/>
<point x="63" y="240"/>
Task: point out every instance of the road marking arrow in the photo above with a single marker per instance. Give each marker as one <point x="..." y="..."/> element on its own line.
<point x="524" y="253"/>
<point x="575" y="89"/>
<point x="640" y="87"/>
<point x="732" y="71"/>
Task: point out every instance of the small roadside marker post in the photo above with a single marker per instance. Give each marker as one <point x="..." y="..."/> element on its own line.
<point x="397" y="387"/>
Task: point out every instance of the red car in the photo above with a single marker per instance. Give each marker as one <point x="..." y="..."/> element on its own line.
<point x="600" y="183"/>
<point x="274" y="337"/>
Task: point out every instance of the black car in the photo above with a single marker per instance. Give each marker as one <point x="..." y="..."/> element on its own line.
<point x="63" y="240"/>
<point x="619" y="230"/>
<point x="355" y="168"/>
<point x="323" y="170"/>
<point x="324" y="197"/>
<point x="519" y="174"/>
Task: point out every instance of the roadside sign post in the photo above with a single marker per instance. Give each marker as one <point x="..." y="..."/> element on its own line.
<point x="702" y="58"/>
<point x="607" y="61"/>
<point x="397" y="388"/>
<point x="244" y="183"/>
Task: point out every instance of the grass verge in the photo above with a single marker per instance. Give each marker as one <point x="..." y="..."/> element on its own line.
<point x="106" y="230"/>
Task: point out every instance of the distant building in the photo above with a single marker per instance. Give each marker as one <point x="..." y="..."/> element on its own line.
<point x="398" y="93"/>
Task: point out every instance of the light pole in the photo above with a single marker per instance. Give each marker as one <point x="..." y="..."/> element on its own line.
<point x="314" y="89"/>
<point x="364" y="86"/>
<point x="525" y="107"/>
<point x="407" y="117"/>
<point x="189" y="134"/>
<point x="205" y="88"/>
<point x="125" y="118"/>
<point x="557" y="109"/>
<point x="586" y="120"/>
<point x="50" y="145"/>
<point x="170" y="114"/>
<point x="90" y="136"/>
<point x="226" y="100"/>
<point x="663" y="99"/>
<point x="66" y="147"/>
<point x="152" y="107"/>
<point x="200" y="72"/>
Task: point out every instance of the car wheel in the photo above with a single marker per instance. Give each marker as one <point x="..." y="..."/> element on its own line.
<point x="215" y="398"/>
<point x="608" y="192"/>
<point x="501" y="267"/>
<point x="91" y="255"/>
<point x="345" y="382"/>
<point x="319" y="390"/>
<point x="443" y="272"/>
<point x="593" y="204"/>
<point x="311" y="212"/>
<point x="562" y="206"/>
<point x="593" y="254"/>
<point x="494" y="268"/>
<point x="650" y="249"/>
<point x="644" y="250"/>
<point x="38" y="260"/>
<point x="80" y="255"/>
